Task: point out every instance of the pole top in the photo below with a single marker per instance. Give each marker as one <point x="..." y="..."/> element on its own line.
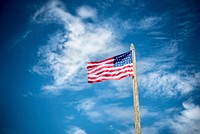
<point x="132" y="47"/>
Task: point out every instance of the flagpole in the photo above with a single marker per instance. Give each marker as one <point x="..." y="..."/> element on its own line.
<point x="135" y="94"/>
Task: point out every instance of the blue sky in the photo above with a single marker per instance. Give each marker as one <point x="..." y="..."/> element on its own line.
<point x="45" y="47"/>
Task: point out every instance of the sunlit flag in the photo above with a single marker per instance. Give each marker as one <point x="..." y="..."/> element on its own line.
<point x="114" y="68"/>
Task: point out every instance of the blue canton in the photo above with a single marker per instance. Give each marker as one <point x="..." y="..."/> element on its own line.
<point x="123" y="59"/>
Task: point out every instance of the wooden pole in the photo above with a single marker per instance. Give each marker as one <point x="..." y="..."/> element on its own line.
<point x="135" y="94"/>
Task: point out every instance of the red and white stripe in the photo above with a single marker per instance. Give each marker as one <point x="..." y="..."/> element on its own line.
<point x="105" y="70"/>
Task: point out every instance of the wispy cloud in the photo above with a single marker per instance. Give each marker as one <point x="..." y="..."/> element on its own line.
<point x="29" y="94"/>
<point x="168" y="84"/>
<point x="99" y="112"/>
<point x="20" y="39"/>
<point x="188" y="21"/>
<point x="146" y="112"/>
<point x="159" y="76"/>
<point x="176" y="121"/>
<point x="123" y="4"/>
<point x="75" y="130"/>
<point x="127" y="3"/>
<point x="129" y="130"/>
<point x="153" y="26"/>
<point x="188" y="121"/>
<point x="153" y="130"/>
<point x="148" y="23"/>
<point x="185" y="25"/>
<point x="67" y="53"/>
<point x="69" y="118"/>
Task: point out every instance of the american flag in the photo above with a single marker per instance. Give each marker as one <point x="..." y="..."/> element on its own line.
<point x="114" y="68"/>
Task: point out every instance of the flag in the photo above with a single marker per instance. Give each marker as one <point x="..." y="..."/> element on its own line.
<point x="114" y="68"/>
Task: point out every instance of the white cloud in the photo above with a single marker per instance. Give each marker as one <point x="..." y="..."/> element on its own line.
<point x="98" y="112"/>
<point x="168" y="84"/>
<point x="67" y="53"/>
<point x="75" y="130"/>
<point x="122" y="114"/>
<point x="90" y="108"/>
<point x="178" y="121"/>
<point x="51" y="7"/>
<point x="158" y="75"/>
<point x="86" y="12"/>
<point x="188" y="121"/>
<point x="86" y="105"/>
<point x="148" y="23"/>
<point x="145" y="112"/>
<point x="69" y="118"/>
<point x="152" y="130"/>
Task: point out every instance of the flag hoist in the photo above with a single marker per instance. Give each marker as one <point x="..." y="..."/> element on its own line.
<point x="116" y="68"/>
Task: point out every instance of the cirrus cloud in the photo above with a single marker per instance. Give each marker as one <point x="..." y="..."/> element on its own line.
<point x="75" y="130"/>
<point x="67" y="52"/>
